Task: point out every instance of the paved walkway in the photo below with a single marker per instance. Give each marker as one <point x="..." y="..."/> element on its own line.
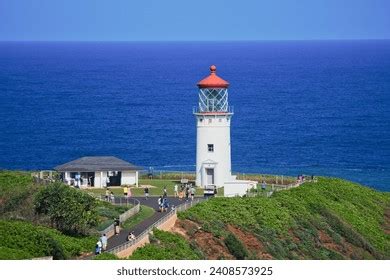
<point x="139" y="228"/>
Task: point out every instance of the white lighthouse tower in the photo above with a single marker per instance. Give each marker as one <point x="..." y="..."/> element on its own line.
<point x="213" y="116"/>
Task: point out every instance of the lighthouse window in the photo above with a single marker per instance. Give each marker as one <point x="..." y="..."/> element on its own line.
<point x="210" y="147"/>
<point x="210" y="120"/>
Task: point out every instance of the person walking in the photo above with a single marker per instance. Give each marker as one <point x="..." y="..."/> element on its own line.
<point x="263" y="186"/>
<point x="146" y="192"/>
<point x="175" y="190"/>
<point x="192" y="193"/>
<point x="103" y="239"/>
<point x="160" y="203"/>
<point x="98" y="247"/>
<point x="165" y="194"/>
<point x="165" y="204"/>
<point x="116" y="226"/>
<point x="187" y="193"/>
<point x="125" y="191"/>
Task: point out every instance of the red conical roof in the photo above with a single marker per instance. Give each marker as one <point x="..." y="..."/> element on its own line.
<point x="213" y="81"/>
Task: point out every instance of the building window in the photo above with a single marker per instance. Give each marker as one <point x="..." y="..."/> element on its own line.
<point x="210" y="147"/>
<point x="210" y="120"/>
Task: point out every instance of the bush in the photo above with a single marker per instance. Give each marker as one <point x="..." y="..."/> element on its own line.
<point x="25" y="240"/>
<point x="235" y="247"/>
<point x="165" y="246"/>
<point x="70" y="211"/>
<point x="106" y="256"/>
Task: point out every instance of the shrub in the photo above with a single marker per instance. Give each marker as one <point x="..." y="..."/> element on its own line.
<point x="106" y="256"/>
<point x="235" y="247"/>
<point x="25" y="240"/>
<point x="165" y="246"/>
<point x="70" y="211"/>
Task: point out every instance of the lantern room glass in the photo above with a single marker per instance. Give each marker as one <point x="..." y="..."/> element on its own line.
<point x="213" y="100"/>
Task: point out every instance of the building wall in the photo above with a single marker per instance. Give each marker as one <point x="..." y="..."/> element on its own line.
<point x="238" y="187"/>
<point x="129" y="178"/>
<point x="213" y="130"/>
<point x="98" y="181"/>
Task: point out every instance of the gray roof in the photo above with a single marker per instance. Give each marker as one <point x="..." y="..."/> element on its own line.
<point x="90" y="164"/>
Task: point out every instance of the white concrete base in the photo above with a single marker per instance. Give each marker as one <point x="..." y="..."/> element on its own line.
<point x="238" y="187"/>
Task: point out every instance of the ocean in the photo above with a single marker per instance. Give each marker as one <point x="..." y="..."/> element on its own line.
<point x="312" y="107"/>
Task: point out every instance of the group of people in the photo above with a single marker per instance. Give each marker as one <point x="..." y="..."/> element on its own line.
<point x="126" y="192"/>
<point x="163" y="203"/>
<point x="109" y="195"/>
<point x="186" y="191"/>
<point x="101" y="245"/>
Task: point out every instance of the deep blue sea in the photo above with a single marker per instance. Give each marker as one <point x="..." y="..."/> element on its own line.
<point x="314" y="107"/>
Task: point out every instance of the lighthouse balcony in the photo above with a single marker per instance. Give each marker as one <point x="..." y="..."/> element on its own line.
<point x="229" y="111"/>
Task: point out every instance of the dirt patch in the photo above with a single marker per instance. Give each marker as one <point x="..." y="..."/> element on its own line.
<point x="212" y="247"/>
<point x="251" y="243"/>
<point x="386" y="225"/>
<point x="329" y="244"/>
<point x="293" y="236"/>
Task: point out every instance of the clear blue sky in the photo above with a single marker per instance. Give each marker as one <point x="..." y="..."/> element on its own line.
<point x="140" y="20"/>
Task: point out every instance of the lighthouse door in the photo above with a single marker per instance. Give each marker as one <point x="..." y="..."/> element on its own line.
<point x="210" y="176"/>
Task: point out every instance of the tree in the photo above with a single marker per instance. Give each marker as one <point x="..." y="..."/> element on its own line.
<point x="70" y="211"/>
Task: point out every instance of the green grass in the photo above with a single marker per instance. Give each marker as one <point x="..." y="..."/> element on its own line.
<point x="108" y="212"/>
<point x="15" y="188"/>
<point x="341" y="208"/>
<point x="165" y="246"/>
<point x="156" y="191"/>
<point x="144" y="213"/>
<point x="21" y="240"/>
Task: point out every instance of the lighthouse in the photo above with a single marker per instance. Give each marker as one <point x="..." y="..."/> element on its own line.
<point x="213" y="117"/>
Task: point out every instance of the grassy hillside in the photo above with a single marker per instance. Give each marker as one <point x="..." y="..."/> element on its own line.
<point x="27" y="234"/>
<point x="21" y="240"/>
<point x="164" y="245"/>
<point x="330" y="219"/>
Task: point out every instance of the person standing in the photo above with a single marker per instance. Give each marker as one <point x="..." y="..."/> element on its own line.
<point x="263" y="186"/>
<point x="146" y="192"/>
<point x="112" y="197"/>
<point x="103" y="239"/>
<point x="129" y="193"/>
<point x="175" y="190"/>
<point x="192" y="193"/>
<point x="125" y="191"/>
<point x="107" y="196"/>
<point x="181" y="194"/>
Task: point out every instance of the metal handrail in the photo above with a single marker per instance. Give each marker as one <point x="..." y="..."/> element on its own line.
<point x="124" y="216"/>
<point x="163" y="219"/>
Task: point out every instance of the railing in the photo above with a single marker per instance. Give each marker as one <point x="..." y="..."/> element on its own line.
<point x="197" y="110"/>
<point x="161" y="221"/>
<point x="131" y="212"/>
<point x="124" y="216"/>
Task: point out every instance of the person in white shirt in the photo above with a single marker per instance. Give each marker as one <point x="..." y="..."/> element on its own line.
<point x="175" y="190"/>
<point x="103" y="239"/>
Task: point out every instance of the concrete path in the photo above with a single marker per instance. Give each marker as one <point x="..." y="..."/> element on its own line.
<point x="138" y="229"/>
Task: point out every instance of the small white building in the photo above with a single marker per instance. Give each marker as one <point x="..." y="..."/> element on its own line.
<point x="213" y="148"/>
<point x="98" y="172"/>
